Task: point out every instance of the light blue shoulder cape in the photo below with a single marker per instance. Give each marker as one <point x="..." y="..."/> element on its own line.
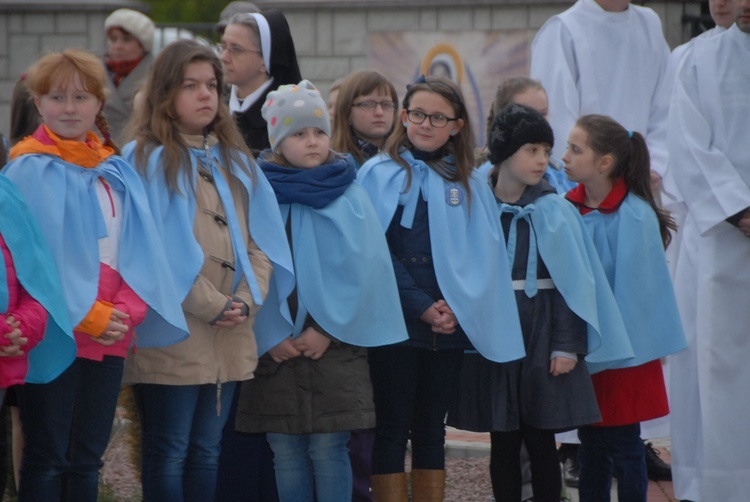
<point x="345" y="277"/>
<point x="174" y="214"/>
<point x="36" y="271"/>
<point x="468" y="248"/>
<point x="630" y="249"/>
<point x="62" y="197"/>
<point x="573" y="263"/>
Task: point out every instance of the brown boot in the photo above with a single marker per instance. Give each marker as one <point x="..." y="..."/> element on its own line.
<point x="389" y="487"/>
<point x="427" y="485"/>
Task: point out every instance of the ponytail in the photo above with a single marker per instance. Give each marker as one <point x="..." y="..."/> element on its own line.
<point x="103" y="126"/>
<point x="632" y="162"/>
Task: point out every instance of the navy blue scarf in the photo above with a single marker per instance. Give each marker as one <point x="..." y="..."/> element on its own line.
<point x="316" y="187"/>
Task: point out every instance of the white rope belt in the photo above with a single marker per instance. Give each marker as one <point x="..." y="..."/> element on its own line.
<point x="520" y="284"/>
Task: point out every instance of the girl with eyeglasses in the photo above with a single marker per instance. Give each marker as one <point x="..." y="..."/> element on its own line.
<point x="257" y="56"/>
<point x="366" y="110"/>
<point x="453" y="277"/>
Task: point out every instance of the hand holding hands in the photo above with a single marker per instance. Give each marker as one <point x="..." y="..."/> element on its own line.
<point x="440" y="317"/>
<point x="284" y="351"/>
<point x="236" y="315"/>
<point x="115" y="331"/>
<point x="312" y="344"/>
<point x="16" y="338"/>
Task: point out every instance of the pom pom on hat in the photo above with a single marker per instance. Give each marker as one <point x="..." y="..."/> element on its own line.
<point x="515" y="126"/>
<point x="291" y="108"/>
<point x="137" y="24"/>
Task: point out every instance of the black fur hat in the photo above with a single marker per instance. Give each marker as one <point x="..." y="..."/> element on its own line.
<point x="515" y="126"/>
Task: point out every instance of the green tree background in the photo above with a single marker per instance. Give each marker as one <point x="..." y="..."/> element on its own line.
<point x="185" y="11"/>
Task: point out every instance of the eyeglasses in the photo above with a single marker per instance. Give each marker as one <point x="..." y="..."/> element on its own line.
<point x="387" y="106"/>
<point x="436" y="119"/>
<point x="234" y="50"/>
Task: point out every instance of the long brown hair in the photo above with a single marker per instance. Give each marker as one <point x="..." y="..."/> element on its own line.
<point x="461" y="146"/>
<point x="155" y="119"/>
<point x="356" y="84"/>
<point x="632" y="162"/>
<point x="62" y="67"/>
<point x="505" y="93"/>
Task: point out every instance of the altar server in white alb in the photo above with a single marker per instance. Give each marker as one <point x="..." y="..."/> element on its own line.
<point x="709" y="122"/>
<point x="722" y="13"/>
<point x="606" y="57"/>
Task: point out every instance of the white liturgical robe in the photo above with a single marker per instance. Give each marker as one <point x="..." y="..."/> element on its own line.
<point x="611" y="63"/>
<point x="709" y="129"/>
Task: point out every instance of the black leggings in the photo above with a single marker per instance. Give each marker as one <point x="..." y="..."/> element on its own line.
<point x="505" y="464"/>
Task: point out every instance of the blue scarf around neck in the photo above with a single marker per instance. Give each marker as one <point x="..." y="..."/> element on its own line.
<point x="316" y="187"/>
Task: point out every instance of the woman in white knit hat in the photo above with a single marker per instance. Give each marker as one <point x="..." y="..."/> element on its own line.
<point x="130" y="41"/>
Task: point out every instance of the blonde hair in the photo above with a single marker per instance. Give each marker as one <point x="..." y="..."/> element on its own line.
<point x="62" y="67"/>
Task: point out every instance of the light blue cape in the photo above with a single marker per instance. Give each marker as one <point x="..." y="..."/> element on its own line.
<point x="468" y="248"/>
<point x="62" y="197"/>
<point x="631" y="251"/>
<point x="345" y="277"/>
<point x="35" y="269"/>
<point x="573" y="263"/>
<point x="174" y="214"/>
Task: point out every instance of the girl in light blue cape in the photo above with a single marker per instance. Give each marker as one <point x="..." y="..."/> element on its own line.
<point x="92" y="212"/>
<point x="629" y="232"/>
<point x="313" y="388"/>
<point x="36" y="273"/>
<point x="448" y="253"/>
<point x="567" y="313"/>
<point x="222" y="229"/>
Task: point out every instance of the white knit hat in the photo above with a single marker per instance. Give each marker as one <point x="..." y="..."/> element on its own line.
<point x="137" y="24"/>
<point x="291" y="108"/>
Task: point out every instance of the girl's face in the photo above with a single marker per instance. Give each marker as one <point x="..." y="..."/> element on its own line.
<point x="306" y="148"/>
<point x="69" y="110"/>
<point x="197" y="101"/>
<point x="425" y="136"/>
<point x="241" y="59"/>
<point x="332" y="97"/>
<point x="529" y="163"/>
<point x="372" y="124"/>
<point x="533" y="98"/>
<point x="582" y="164"/>
<point x="122" y="46"/>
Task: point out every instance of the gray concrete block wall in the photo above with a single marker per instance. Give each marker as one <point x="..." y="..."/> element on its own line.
<point x="25" y="35"/>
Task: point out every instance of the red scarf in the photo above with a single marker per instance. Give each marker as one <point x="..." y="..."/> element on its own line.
<point x="121" y="69"/>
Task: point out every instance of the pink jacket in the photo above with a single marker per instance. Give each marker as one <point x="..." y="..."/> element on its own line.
<point x="33" y="319"/>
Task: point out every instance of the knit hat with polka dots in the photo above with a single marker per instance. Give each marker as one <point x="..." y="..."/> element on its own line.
<point x="291" y="108"/>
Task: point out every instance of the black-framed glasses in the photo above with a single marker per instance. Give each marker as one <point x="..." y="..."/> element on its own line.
<point x="387" y="106"/>
<point x="235" y="50"/>
<point x="436" y="119"/>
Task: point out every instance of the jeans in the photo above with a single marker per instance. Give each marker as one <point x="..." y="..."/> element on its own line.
<point x="66" y="425"/>
<point x="181" y="430"/>
<point x="412" y="389"/>
<point x="310" y="465"/>
<point x="608" y="451"/>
